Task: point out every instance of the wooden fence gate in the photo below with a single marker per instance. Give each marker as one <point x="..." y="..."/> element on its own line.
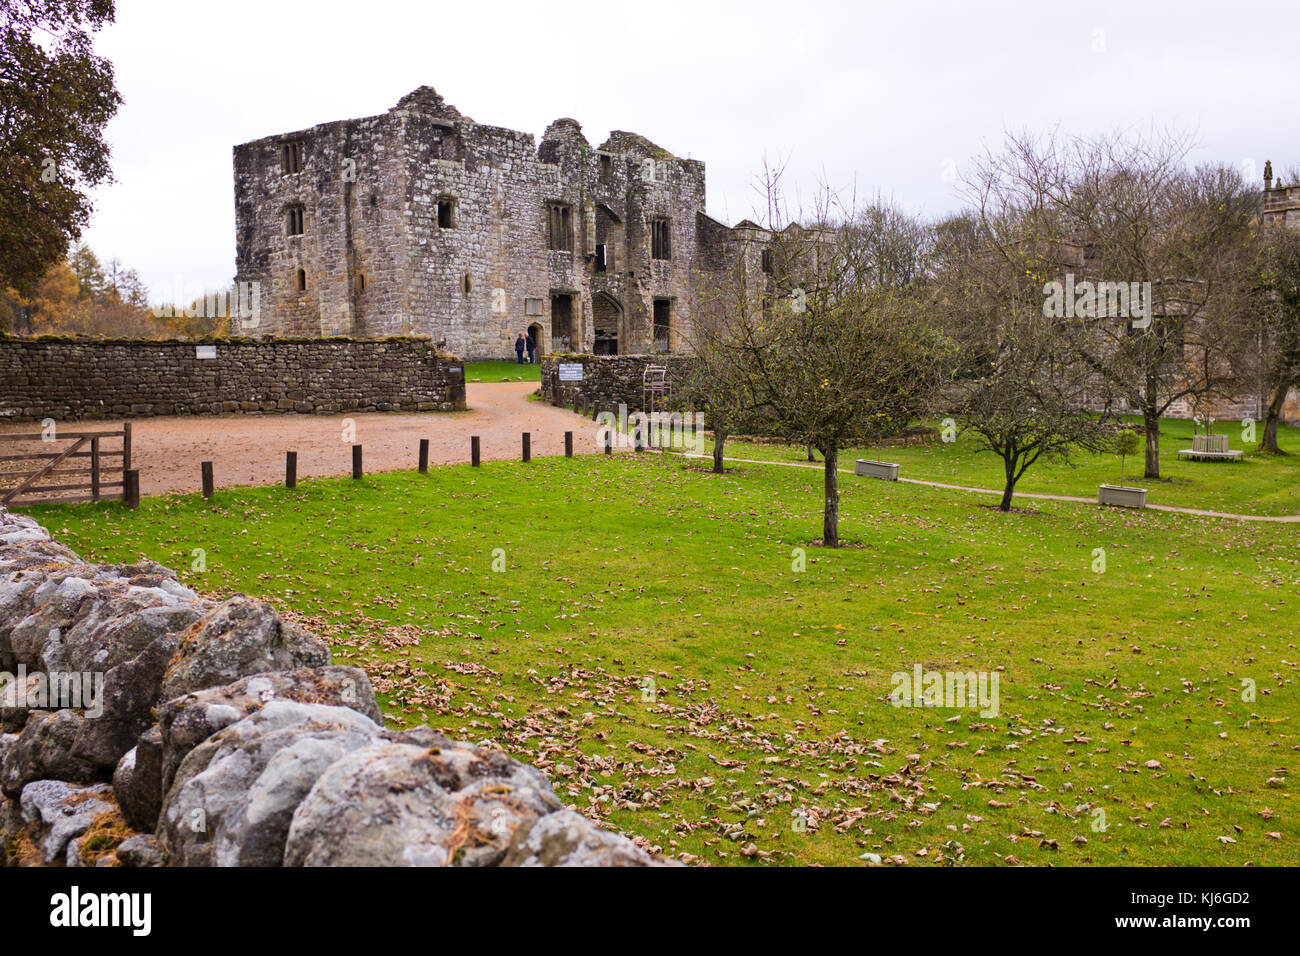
<point x="64" y="466"/>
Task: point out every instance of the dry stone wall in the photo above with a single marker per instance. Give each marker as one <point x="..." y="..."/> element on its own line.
<point x="611" y="380"/>
<point x="78" y="379"/>
<point x="143" y="725"/>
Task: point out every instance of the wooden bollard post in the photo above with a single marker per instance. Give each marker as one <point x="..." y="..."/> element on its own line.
<point x="356" y="461"/>
<point x="131" y="489"/>
<point x="205" y="469"/>
<point x="609" y="441"/>
<point x="528" y="449"/>
<point x="291" y="469"/>
<point x="424" y="456"/>
<point x="568" y="444"/>
<point x="474" y="456"/>
<point x="94" y="469"/>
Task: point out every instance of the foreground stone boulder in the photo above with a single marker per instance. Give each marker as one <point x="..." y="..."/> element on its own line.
<point x="234" y="795"/>
<point x="187" y="721"/>
<point x="403" y="804"/>
<point x="240" y="637"/>
<point x="569" y="839"/>
<point x="137" y="781"/>
<point x="57" y="813"/>
<point x="44" y="751"/>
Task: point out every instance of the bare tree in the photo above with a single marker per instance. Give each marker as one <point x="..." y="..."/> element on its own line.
<point x="1019" y="386"/>
<point x="840" y="347"/>
<point x="1128" y="211"/>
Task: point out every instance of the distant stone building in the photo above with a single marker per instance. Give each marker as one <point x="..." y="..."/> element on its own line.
<point x="420" y="221"/>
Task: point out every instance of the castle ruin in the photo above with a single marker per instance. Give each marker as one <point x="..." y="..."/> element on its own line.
<point x="420" y="221"/>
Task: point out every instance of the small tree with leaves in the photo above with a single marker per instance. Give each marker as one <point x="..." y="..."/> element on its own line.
<point x="1126" y="443"/>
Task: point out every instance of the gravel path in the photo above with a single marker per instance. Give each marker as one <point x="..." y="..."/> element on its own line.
<point x="249" y="449"/>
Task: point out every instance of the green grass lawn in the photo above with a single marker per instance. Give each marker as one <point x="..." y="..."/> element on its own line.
<point x="1265" y="485"/>
<point x="653" y="644"/>
<point x="502" y="372"/>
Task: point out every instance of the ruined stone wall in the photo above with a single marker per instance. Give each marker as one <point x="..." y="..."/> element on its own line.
<point x="610" y="380"/>
<point x="194" y="732"/>
<point x="75" y="379"/>
<point x="352" y="196"/>
<point x="370" y="191"/>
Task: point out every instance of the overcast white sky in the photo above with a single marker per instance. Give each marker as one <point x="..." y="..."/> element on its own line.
<point x="884" y="95"/>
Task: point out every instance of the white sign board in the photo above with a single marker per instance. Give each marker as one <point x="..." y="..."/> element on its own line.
<point x="205" y="351"/>
<point x="570" y="371"/>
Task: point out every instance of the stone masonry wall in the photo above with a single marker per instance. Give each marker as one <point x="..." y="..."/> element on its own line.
<point x="610" y="380"/>
<point x="74" y="379"/>
<point x="143" y="725"/>
<point x="377" y="259"/>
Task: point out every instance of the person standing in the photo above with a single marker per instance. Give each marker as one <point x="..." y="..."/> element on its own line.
<point x="520" y="345"/>
<point x="532" y="349"/>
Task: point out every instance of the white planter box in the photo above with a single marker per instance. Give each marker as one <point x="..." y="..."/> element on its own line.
<point x="886" y="470"/>
<point x="1126" y="497"/>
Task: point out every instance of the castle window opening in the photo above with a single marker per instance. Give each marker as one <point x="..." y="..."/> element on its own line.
<point x="601" y="263"/>
<point x="291" y="158"/>
<point x="559" y="218"/>
<point x="660" y="240"/>
<point x="294" y="221"/>
<point x="300" y="280"/>
<point x="562" y="320"/>
<point x="767" y="261"/>
<point x="663" y="312"/>
<point x="467" y="284"/>
<point x="446" y="213"/>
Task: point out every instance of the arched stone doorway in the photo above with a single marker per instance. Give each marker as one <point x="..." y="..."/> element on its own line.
<point x="606" y="321"/>
<point x="535" y="333"/>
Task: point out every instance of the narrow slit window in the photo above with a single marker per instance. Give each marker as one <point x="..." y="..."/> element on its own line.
<point x="294" y="223"/>
<point x="660" y="240"/>
<point x="446" y="213"/>
<point x="300" y="280"/>
<point x="291" y="158"/>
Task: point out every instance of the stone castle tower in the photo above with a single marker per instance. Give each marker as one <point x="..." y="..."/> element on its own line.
<point x="420" y="221"/>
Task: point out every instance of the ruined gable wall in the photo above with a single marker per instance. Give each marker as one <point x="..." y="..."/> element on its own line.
<point x="350" y="191"/>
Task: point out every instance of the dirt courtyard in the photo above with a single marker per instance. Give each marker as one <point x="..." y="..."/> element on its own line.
<point x="249" y="449"/>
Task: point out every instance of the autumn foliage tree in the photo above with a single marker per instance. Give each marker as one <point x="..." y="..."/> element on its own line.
<point x="56" y="96"/>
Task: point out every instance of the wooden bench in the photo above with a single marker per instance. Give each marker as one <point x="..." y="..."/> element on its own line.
<point x="1210" y="448"/>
